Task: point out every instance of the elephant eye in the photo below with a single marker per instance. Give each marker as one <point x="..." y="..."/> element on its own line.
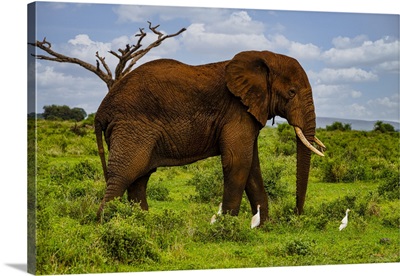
<point x="292" y="92"/>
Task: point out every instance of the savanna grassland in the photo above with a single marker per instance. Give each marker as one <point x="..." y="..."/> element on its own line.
<point x="360" y="171"/>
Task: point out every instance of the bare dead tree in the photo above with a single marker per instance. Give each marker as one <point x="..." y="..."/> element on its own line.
<point x="128" y="57"/>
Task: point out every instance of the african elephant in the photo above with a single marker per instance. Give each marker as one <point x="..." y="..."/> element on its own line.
<point x="167" y="113"/>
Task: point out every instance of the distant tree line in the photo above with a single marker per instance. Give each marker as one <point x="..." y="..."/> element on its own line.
<point x="378" y="126"/>
<point x="63" y="112"/>
<point x="383" y="127"/>
<point x="339" y="126"/>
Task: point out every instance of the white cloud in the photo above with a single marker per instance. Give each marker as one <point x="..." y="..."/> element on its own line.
<point x="82" y="47"/>
<point x="56" y="87"/>
<point x="295" y="49"/>
<point x="197" y="39"/>
<point x="331" y="91"/>
<point x="237" y="22"/>
<point x="344" y="102"/>
<point x="221" y="32"/>
<point x="355" y="94"/>
<point x="385" y="107"/>
<point x="304" y="51"/>
<point x="355" y="110"/>
<point x="346" y="42"/>
<point x="333" y="98"/>
<point x="81" y="39"/>
<point x="343" y="75"/>
<point x="386" y="102"/>
<point x="389" y="66"/>
<point x="354" y="52"/>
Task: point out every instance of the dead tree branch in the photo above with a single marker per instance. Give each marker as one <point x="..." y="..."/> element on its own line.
<point x="54" y="56"/>
<point x="131" y="54"/>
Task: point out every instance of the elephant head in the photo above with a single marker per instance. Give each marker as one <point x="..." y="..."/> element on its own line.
<point x="270" y="85"/>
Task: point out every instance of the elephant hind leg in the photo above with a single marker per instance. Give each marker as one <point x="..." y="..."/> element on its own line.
<point x="124" y="168"/>
<point x="137" y="191"/>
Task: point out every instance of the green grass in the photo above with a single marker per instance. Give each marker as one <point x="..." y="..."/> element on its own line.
<point x="176" y="234"/>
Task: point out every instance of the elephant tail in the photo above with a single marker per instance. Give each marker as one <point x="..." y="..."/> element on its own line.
<point x="98" y="129"/>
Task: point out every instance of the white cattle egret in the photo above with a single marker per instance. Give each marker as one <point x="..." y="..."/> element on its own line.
<point x="344" y="221"/>
<point x="255" y="220"/>
<point x="214" y="217"/>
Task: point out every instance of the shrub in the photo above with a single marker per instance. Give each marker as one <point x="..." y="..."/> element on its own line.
<point x="273" y="173"/>
<point x="63" y="112"/>
<point x="299" y="247"/>
<point x="285" y="133"/>
<point x="390" y="216"/>
<point x="338" y="126"/>
<point x="65" y="248"/>
<point x="127" y="243"/>
<point x="390" y="186"/>
<point x="86" y="170"/>
<point x="337" y="208"/>
<point x="89" y="121"/>
<point x="82" y="170"/>
<point x="119" y="208"/>
<point x="351" y="157"/>
<point x="283" y="210"/>
<point x="158" y="191"/>
<point x="226" y="228"/>
<point x="383" y="127"/>
<point x="167" y="227"/>
<point x="287" y="140"/>
<point x="208" y="184"/>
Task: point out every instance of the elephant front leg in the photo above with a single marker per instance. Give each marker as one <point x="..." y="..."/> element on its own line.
<point x="234" y="184"/>
<point x="255" y="190"/>
<point x="236" y="168"/>
<point x="137" y="191"/>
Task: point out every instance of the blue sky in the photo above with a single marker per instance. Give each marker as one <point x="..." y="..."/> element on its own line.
<point x="352" y="59"/>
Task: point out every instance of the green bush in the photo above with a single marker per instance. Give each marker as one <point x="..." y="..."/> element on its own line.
<point x="208" y="185"/>
<point x="89" y="121"/>
<point x="281" y="210"/>
<point x="273" y="173"/>
<point x="383" y="127"/>
<point x="165" y="228"/>
<point x="119" y="208"/>
<point x="287" y="140"/>
<point x="299" y="247"/>
<point x="63" y="112"/>
<point x="390" y="216"/>
<point x="127" y="242"/>
<point x="350" y="156"/>
<point x="390" y="186"/>
<point x="158" y="191"/>
<point x="84" y="169"/>
<point x="338" y="126"/>
<point x="337" y="208"/>
<point x="68" y="248"/>
<point x="226" y="228"/>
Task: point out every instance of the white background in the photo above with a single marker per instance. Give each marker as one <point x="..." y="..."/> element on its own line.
<point x="13" y="108"/>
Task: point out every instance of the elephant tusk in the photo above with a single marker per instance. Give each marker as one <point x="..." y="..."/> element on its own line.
<point x="319" y="142"/>
<point x="303" y="139"/>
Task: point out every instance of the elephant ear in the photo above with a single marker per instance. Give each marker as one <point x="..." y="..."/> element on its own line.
<point x="246" y="76"/>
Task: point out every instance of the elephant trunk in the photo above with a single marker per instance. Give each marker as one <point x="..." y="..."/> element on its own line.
<point x="303" y="169"/>
<point x="305" y="138"/>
